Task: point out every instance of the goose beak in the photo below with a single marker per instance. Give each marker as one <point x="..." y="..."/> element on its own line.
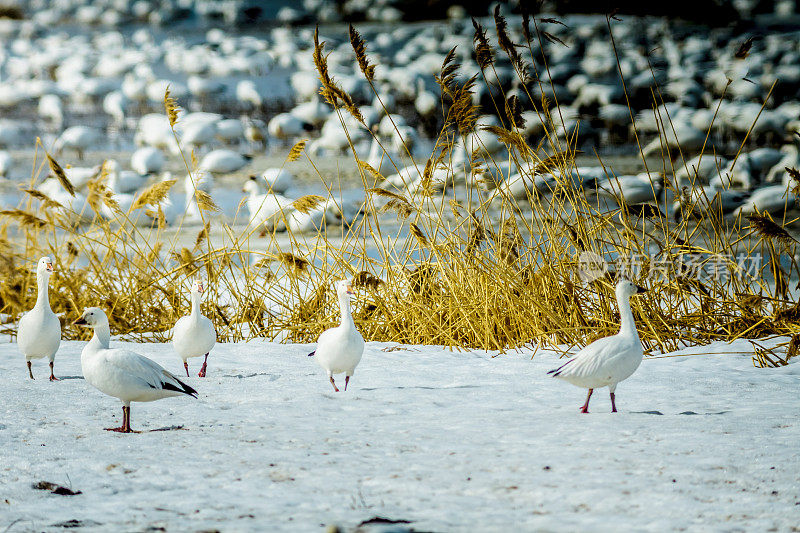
<point x="350" y="290"/>
<point x="640" y="289"/>
<point x="80" y="322"/>
<point x="50" y="267"/>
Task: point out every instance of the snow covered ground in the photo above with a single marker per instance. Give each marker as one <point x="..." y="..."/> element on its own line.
<point x="446" y="440"/>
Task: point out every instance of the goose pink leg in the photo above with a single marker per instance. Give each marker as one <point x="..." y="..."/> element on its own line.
<point x="202" y="372"/>
<point x="585" y="408"/>
<point x="126" y="422"/>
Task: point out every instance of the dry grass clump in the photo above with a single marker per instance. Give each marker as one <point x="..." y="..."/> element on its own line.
<point x="468" y="262"/>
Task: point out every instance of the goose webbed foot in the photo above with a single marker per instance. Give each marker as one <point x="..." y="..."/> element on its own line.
<point x="334" y="384"/>
<point x="30" y="370"/>
<point x="186" y="367"/>
<point x="585" y="407"/>
<point x="52" y="375"/>
<point x="122" y="429"/>
<point x="346" y="381"/>
<point x="613" y="405"/>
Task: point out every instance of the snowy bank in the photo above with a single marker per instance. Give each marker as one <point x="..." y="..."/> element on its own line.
<point x="446" y="440"/>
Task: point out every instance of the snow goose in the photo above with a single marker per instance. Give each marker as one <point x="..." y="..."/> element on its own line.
<point x="39" y="332"/>
<point x="51" y="109"/>
<point x="123" y="181"/>
<point x="385" y="162"/>
<point x="426" y="102"/>
<point x="266" y="210"/>
<point x="702" y="201"/>
<point x="230" y="130"/>
<point x="315" y="219"/>
<point x="198" y="134"/>
<point x="78" y="138"/>
<point x="248" y="95"/>
<point x="115" y="105"/>
<point x="286" y="126"/>
<point x="609" y="360"/>
<point x="147" y="160"/>
<point x="76" y="207"/>
<point x="777" y="200"/>
<point x="254" y="132"/>
<point x="223" y="161"/>
<point x="199" y="180"/>
<point x="631" y="190"/>
<point x="122" y="373"/>
<point x="313" y="112"/>
<point x="340" y="349"/>
<point x="194" y="334"/>
<point x="278" y="180"/>
<point x="79" y="177"/>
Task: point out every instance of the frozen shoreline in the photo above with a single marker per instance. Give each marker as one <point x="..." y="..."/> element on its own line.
<point x="450" y="441"/>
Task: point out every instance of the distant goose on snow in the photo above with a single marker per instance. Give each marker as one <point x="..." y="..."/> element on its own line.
<point x="223" y="161"/>
<point x="78" y="138"/>
<point x="609" y="360"/>
<point x="147" y="160"/>
<point x="268" y="210"/>
<point x="340" y="349"/>
<point x="194" y="334"/>
<point x="39" y="333"/>
<point x="122" y="373"/>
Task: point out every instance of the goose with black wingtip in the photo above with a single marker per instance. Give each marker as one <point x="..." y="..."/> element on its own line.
<point x="122" y="373"/>
<point x="607" y="361"/>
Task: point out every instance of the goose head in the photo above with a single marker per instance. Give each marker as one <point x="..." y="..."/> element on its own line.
<point x="344" y="288"/>
<point x="198" y="286"/>
<point x="626" y="289"/>
<point x="251" y="186"/>
<point x="45" y="266"/>
<point x="92" y="317"/>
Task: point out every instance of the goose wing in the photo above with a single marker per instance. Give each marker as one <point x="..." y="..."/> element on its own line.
<point x="145" y="371"/>
<point x="590" y="361"/>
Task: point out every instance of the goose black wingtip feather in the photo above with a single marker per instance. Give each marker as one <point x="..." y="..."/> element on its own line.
<point x="185" y="389"/>
<point x="557" y="371"/>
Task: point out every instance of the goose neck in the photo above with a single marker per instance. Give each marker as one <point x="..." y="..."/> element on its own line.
<point x="101" y="338"/>
<point x="195" y="313"/>
<point x="344" y="307"/>
<point x="627" y="325"/>
<point x="43" y="286"/>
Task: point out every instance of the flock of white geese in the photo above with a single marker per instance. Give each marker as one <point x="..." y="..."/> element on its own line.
<point x="132" y="377"/>
<point x="262" y="86"/>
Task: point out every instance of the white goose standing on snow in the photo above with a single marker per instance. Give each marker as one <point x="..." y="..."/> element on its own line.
<point x="340" y="349"/>
<point x="609" y="360"/>
<point x="122" y="373"/>
<point x="39" y="332"/>
<point x="194" y="334"/>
